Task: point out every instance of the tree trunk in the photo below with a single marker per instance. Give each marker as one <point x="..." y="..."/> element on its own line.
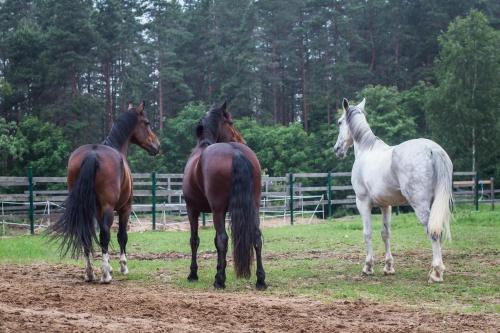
<point x="109" y="101"/>
<point x="372" y="40"/>
<point x="303" y="78"/>
<point x="74" y="85"/>
<point x="398" y="49"/>
<point x="273" y="83"/>
<point x="160" y="93"/>
<point x="209" y="79"/>
<point x="374" y="53"/>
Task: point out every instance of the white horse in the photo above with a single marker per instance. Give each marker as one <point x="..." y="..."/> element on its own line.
<point x="416" y="172"/>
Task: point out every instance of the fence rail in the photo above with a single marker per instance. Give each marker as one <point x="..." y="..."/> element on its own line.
<point x="314" y="193"/>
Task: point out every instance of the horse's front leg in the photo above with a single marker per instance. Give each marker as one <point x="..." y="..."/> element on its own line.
<point x="221" y="245"/>
<point x="104" y="237"/>
<point x="365" y="208"/>
<point x="386" y="237"/>
<point x="194" y="242"/>
<point x="122" y="236"/>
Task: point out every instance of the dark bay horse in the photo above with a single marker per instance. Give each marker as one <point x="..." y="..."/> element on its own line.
<point x="223" y="175"/>
<point x="99" y="183"/>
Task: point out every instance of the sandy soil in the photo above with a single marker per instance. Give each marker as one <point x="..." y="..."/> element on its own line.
<point x="54" y="298"/>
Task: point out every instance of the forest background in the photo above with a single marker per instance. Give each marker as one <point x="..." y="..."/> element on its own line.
<point x="428" y="68"/>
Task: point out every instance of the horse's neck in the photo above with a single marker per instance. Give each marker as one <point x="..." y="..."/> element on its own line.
<point x="363" y="136"/>
<point x="124" y="148"/>
<point x="377" y="145"/>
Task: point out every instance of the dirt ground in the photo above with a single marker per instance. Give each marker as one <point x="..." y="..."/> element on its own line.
<point x="54" y="298"/>
<point x="169" y="223"/>
<point x="144" y="223"/>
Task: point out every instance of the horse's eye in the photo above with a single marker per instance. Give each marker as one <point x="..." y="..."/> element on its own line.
<point x="147" y="123"/>
<point x="340" y="122"/>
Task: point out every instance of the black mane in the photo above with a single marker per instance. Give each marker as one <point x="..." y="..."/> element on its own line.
<point x="210" y="124"/>
<point x="122" y="127"/>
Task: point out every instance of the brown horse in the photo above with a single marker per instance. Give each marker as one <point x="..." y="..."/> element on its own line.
<point x="99" y="183"/>
<point x="223" y="175"/>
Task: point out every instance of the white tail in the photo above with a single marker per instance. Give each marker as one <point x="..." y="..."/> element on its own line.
<point x="439" y="219"/>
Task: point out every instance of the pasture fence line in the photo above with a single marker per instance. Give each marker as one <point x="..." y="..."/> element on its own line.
<point x="325" y="194"/>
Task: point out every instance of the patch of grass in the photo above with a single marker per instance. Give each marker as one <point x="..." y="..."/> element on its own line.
<point x="324" y="261"/>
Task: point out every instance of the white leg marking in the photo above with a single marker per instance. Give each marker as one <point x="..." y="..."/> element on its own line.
<point x="437" y="271"/>
<point x="106" y="269"/>
<point x="123" y="264"/>
<point x="386" y="236"/>
<point x="364" y="209"/>
<point x="89" y="272"/>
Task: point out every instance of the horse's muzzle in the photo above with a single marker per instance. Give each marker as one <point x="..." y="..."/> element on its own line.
<point x="339" y="152"/>
<point x="340" y="155"/>
<point x="153" y="150"/>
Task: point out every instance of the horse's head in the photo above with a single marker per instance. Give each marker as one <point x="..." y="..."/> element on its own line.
<point x="344" y="140"/>
<point x="142" y="134"/>
<point x="217" y="126"/>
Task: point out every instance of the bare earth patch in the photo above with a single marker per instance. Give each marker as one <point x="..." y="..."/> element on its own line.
<point x="54" y="298"/>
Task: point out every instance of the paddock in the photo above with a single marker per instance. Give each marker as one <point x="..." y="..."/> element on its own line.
<point x="313" y="273"/>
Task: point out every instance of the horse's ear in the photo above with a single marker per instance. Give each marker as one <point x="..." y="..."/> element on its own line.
<point x="199" y="130"/>
<point x="140" y="108"/>
<point x="223" y="106"/>
<point x="130" y="105"/>
<point x="345" y="104"/>
<point x="361" y="105"/>
<point x="225" y="113"/>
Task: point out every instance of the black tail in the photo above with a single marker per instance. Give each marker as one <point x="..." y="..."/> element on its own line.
<point x="76" y="226"/>
<point x="244" y="218"/>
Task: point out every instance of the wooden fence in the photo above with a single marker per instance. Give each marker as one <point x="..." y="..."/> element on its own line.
<point x="29" y="198"/>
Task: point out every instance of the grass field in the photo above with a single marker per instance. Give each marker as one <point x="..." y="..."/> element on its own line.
<point x="322" y="261"/>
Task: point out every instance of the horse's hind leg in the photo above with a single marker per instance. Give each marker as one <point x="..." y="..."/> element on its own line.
<point x="436" y="273"/>
<point x="364" y="208"/>
<point x="221" y="245"/>
<point x="195" y="242"/>
<point x="104" y="237"/>
<point x="123" y="238"/>
<point x="89" y="271"/>
<point x="261" y="274"/>
<point x="386" y="237"/>
<point x="437" y="270"/>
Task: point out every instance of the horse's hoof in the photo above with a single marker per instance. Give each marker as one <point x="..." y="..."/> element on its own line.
<point x="106" y="280"/>
<point x="367" y="271"/>
<point x="261" y="286"/>
<point x="434" y="279"/>
<point x="123" y="267"/>
<point x="124" y="270"/>
<point x="218" y="285"/>
<point x="389" y="271"/>
<point x="435" y="276"/>
<point x="192" y="277"/>
<point x="89" y="277"/>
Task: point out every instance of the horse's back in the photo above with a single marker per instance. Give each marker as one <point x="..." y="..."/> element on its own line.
<point x="208" y="176"/>
<point x="413" y="163"/>
<point x="415" y="155"/>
